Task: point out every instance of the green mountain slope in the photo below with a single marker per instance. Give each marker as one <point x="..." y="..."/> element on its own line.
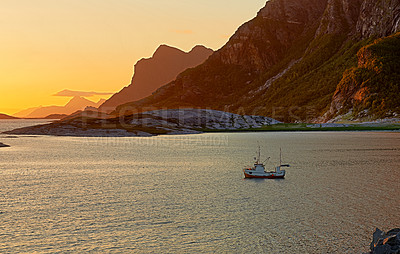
<point x="372" y="86"/>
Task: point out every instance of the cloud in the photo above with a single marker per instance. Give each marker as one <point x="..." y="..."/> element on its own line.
<point x="69" y="93"/>
<point x="183" y="31"/>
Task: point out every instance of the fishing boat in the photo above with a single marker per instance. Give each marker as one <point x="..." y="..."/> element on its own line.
<point x="258" y="170"/>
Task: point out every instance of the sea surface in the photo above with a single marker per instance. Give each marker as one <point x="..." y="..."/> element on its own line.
<point x="186" y="194"/>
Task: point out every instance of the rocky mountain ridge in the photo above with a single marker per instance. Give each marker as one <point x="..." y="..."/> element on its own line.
<point x="152" y="73"/>
<point x="75" y="104"/>
<point x="378" y="18"/>
<point x="286" y="63"/>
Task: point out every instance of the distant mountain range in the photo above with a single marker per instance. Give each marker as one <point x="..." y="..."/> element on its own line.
<point x="296" y="61"/>
<point x="4" y="116"/>
<point x="75" y="104"/>
<point x="152" y="73"/>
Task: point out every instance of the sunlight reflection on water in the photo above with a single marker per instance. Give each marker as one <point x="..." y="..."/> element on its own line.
<point x="187" y="193"/>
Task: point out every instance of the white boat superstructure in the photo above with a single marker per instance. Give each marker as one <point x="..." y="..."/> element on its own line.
<point x="258" y="170"/>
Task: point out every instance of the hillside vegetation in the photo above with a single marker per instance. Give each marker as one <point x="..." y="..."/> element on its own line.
<point x="373" y="86"/>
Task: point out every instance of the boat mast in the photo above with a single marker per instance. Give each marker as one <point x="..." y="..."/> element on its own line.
<point x="259" y="154"/>
<point x="280" y="157"/>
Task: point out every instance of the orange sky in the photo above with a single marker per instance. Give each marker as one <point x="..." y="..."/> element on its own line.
<point x="91" y="45"/>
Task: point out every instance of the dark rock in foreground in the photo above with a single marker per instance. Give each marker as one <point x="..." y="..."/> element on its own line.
<point x="3" y="145"/>
<point x="386" y="243"/>
<point x="159" y="122"/>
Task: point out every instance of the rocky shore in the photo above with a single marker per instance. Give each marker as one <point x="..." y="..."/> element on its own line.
<point x="158" y="122"/>
<point x="3" y="145"/>
<point x="385" y="243"/>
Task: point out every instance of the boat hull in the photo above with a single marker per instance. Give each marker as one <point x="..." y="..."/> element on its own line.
<point x="267" y="176"/>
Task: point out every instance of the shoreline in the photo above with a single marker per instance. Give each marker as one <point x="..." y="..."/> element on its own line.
<point x="330" y="127"/>
<point x="272" y="128"/>
<point x="3" y="145"/>
<point x="190" y="121"/>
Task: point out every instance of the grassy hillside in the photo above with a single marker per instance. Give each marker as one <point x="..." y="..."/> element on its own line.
<point x="377" y="79"/>
<point x="305" y="91"/>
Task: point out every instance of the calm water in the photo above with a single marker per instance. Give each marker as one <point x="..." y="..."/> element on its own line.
<point x="186" y="194"/>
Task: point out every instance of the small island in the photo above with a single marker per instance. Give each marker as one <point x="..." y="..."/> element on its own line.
<point x="3" y="145"/>
<point x="150" y="123"/>
<point x="186" y="121"/>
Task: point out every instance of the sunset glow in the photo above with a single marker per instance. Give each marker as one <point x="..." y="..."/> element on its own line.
<point x="182" y="126"/>
<point x="48" y="46"/>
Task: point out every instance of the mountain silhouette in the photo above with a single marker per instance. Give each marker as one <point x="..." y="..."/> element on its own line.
<point x="25" y="112"/>
<point x="152" y="73"/>
<point x="75" y="104"/>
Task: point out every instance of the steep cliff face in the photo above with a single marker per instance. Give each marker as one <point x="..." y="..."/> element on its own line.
<point x="373" y="87"/>
<point x="370" y="88"/>
<point x="379" y="18"/>
<point x="269" y="41"/>
<point x="288" y="63"/>
<point x="339" y="17"/>
<point x="262" y="42"/>
<point x="152" y="73"/>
